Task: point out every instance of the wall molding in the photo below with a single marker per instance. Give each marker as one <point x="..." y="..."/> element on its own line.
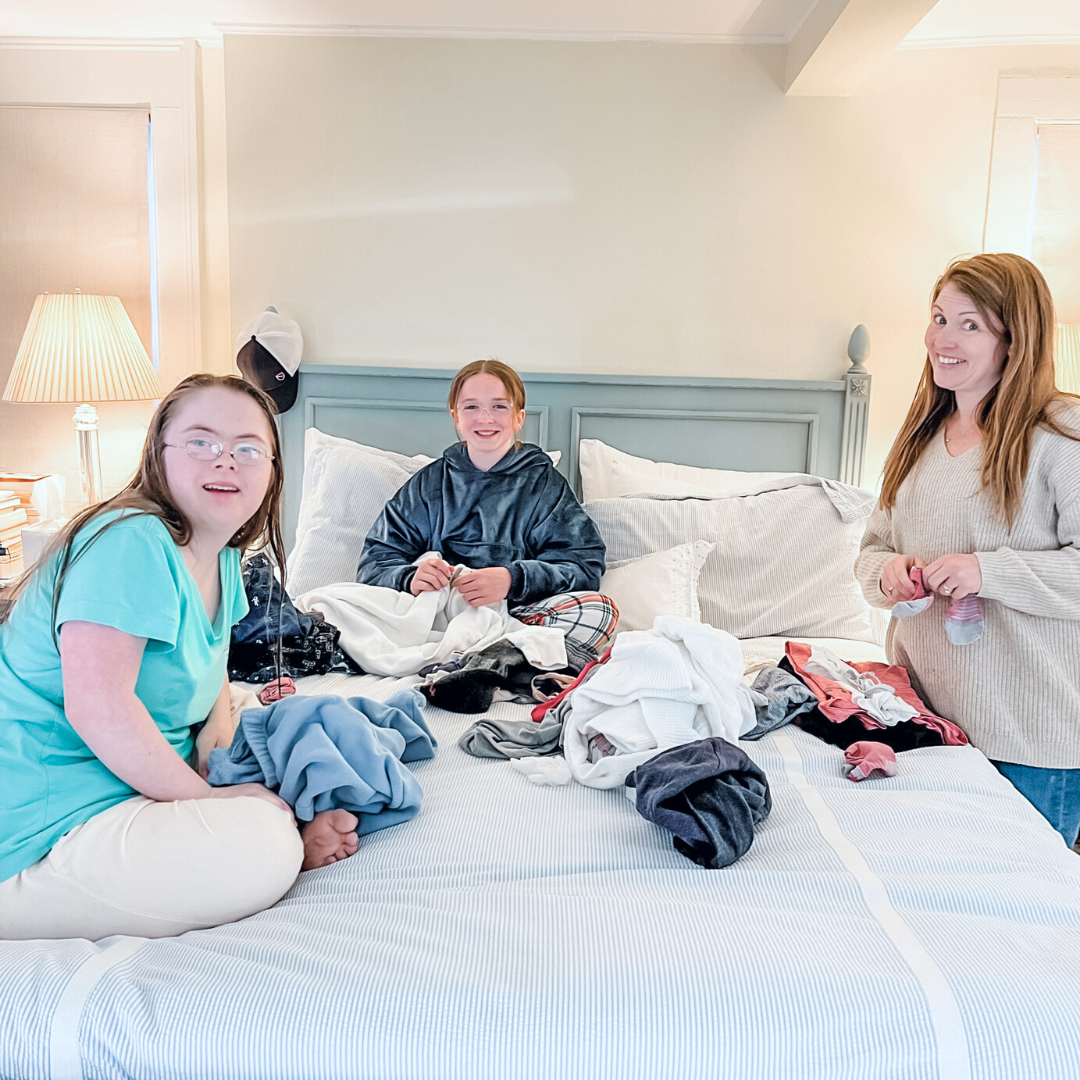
<point x="493" y="33"/>
<point x="988" y="41"/>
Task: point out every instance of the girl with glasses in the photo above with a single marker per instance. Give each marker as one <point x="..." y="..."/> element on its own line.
<point x="111" y="657"/>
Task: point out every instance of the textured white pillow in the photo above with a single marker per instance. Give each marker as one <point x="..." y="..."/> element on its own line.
<point x="784" y="559"/>
<point x="664" y="583"/>
<point x="607" y="473"/>
<point x="346" y="486"/>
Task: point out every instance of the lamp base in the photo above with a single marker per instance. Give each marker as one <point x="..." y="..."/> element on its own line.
<point x="86" y="435"/>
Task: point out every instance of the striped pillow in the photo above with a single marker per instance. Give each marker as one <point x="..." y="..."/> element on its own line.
<point x="784" y="560"/>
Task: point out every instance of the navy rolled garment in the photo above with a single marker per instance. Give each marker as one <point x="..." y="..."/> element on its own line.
<point x="327" y="752"/>
<point x="520" y="514"/>
<point x="708" y="794"/>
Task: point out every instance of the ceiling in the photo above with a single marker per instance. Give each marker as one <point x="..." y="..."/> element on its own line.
<point x="950" y="22"/>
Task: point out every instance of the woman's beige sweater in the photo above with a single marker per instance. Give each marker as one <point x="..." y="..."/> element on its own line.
<point x="1015" y="691"/>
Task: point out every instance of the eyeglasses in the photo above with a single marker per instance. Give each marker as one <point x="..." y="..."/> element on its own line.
<point x="205" y="450"/>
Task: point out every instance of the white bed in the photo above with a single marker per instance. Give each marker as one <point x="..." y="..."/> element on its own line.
<point x="924" y="926"/>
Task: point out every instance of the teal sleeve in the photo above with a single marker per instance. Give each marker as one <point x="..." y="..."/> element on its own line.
<point x="124" y="578"/>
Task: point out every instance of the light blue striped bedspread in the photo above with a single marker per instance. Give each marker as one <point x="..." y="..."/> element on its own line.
<point x="926" y="926"/>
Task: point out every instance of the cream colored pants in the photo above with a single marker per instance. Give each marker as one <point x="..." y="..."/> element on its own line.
<point x="155" y="869"/>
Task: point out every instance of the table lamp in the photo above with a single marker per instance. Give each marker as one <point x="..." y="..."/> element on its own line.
<point x="1067" y="357"/>
<point x="79" y="347"/>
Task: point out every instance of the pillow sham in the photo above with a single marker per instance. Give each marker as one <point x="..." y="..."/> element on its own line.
<point x="607" y="473"/>
<point x="784" y="558"/>
<point x="346" y="485"/>
<point x="664" y="583"/>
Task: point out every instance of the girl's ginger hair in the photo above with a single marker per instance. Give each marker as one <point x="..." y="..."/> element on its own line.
<point x="148" y="493"/>
<point x="511" y="380"/>
<point x="1010" y="293"/>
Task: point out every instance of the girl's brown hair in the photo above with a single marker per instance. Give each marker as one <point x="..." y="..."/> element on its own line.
<point x="1010" y="292"/>
<point x="148" y="493"/>
<point x="510" y="379"/>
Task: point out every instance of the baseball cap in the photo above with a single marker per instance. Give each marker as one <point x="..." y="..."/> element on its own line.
<point x="268" y="353"/>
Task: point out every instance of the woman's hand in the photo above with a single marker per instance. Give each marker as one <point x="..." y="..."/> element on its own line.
<point x="258" y="791"/>
<point x="212" y="737"/>
<point x="431" y="576"/>
<point x="954" y="576"/>
<point x="895" y="582"/>
<point x="485" y="586"/>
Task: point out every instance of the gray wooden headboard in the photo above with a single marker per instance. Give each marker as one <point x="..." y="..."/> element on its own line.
<point x="763" y="425"/>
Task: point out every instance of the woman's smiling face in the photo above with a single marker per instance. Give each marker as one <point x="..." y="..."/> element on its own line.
<point x="967" y="352"/>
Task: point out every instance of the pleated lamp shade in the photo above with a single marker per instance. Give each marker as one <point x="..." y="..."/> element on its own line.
<point x="80" y="347"/>
<point x="1067" y="357"/>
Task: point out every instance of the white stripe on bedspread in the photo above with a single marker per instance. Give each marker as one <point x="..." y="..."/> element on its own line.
<point x="517" y="931"/>
<point x="952" y="1048"/>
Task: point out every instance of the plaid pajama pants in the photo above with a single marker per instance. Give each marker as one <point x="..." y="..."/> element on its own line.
<point x="587" y="620"/>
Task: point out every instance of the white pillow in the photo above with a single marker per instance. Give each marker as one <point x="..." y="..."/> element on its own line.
<point x="346" y="486"/>
<point x="784" y="558"/>
<point x="607" y="473"/>
<point x="664" y="583"/>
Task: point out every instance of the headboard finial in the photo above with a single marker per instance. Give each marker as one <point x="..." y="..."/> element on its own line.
<point x="858" y="349"/>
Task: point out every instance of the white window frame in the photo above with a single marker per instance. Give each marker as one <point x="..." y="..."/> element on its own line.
<point x="160" y="76"/>
<point x="1024" y="102"/>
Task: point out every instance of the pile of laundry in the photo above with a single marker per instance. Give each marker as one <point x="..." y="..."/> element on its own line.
<point x="308" y="643"/>
<point x="844" y="703"/>
<point x="661" y="712"/>
<point x="658" y="715"/>
<point x="386" y="632"/>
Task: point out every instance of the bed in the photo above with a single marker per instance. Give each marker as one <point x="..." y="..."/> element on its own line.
<point x="925" y="926"/>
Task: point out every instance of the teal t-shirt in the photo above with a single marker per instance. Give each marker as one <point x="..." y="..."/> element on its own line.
<point x="131" y="577"/>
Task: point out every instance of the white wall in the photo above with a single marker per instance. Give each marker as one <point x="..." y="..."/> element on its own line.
<point x="622" y="207"/>
<point x="185" y="98"/>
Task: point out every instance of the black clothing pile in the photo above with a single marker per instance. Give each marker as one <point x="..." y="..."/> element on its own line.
<point x="471" y="684"/>
<point x="309" y="644"/>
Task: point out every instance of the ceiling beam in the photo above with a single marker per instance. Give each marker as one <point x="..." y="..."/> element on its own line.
<point x="842" y="41"/>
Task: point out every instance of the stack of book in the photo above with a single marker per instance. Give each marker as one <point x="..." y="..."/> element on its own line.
<point x="15" y="513"/>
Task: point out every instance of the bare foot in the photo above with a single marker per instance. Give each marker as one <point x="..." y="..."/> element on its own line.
<point x="328" y="837"/>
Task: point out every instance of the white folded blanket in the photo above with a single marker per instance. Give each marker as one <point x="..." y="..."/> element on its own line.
<point x="395" y="633"/>
<point x="679" y="682"/>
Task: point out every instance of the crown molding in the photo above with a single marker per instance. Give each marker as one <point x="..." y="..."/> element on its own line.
<point x="83" y="44"/>
<point x="919" y="44"/>
<point x="491" y="33"/>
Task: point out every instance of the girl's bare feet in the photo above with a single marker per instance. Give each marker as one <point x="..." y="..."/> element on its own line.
<point x="328" y="837"/>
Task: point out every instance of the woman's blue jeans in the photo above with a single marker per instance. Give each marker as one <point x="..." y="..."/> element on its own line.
<point x="1055" y="793"/>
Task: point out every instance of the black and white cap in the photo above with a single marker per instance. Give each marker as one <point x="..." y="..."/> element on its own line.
<point x="268" y="353"/>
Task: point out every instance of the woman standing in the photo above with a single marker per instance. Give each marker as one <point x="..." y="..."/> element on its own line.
<point x="112" y="654"/>
<point x="982" y="492"/>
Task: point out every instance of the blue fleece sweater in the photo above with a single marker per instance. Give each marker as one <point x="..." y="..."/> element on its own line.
<point x="520" y="514"/>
